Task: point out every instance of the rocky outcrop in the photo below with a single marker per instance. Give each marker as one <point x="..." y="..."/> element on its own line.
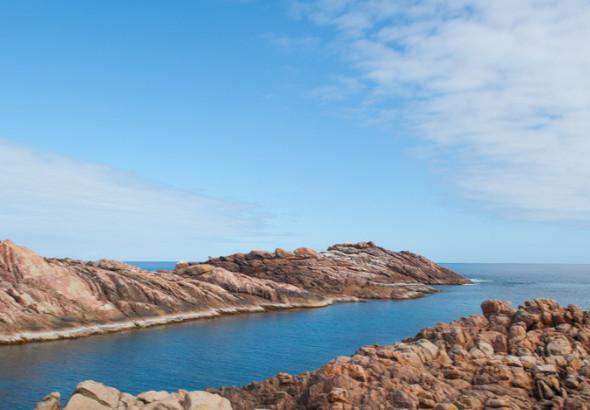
<point x="533" y="357"/>
<point x="90" y="395"/>
<point x="45" y="299"/>
<point x="361" y="270"/>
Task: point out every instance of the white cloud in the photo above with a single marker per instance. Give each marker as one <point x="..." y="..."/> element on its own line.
<point x="290" y="44"/>
<point x="60" y="206"/>
<point x="340" y="89"/>
<point x="502" y="88"/>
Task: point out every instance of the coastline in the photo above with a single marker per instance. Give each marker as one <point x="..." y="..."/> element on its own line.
<point x="138" y="324"/>
<point x="45" y="299"/>
<point x="532" y="356"/>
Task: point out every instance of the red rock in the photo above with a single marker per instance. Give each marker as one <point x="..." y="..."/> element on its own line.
<point x="47" y="299"/>
<point x="409" y="374"/>
<point x="306" y="253"/>
<point x="496" y="307"/>
<point x="361" y="270"/>
<point x="58" y="295"/>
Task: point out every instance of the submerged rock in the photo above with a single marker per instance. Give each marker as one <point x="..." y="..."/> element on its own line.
<point x="48" y="299"/>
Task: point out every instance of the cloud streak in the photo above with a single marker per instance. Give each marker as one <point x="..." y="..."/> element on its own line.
<point x="51" y="203"/>
<point x="500" y="88"/>
<point x="289" y="44"/>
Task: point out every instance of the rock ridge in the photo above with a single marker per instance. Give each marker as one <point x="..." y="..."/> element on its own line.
<point x="48" y="298"/>
<point x="362" y="270"/>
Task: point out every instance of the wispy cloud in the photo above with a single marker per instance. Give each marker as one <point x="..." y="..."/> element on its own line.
<point x="62" y="206"/>
<point x="341" y="88"/>
<point x="289" y="44"/>
<point x="500" y="87"/>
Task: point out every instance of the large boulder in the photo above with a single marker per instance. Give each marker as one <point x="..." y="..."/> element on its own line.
<point x="496" y="307"/>
<point x="559" y="346"/>
<point x="201" y="400"/>
<point x="91" y="395"/>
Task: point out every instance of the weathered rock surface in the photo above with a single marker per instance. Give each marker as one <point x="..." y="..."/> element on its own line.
<point x="46" y="299"/>
<point x="361" y="270"/>
<point x="91" y="395"/>
<point x="42" y="299"/>
<point x="533" y="357"/>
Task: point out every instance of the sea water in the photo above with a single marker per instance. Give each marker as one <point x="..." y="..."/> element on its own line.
<point x="236" y="350"/>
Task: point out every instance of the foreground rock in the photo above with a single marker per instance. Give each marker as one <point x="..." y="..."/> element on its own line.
<point x="47" y="299"/>
<point x="90" y="395"/>
<point x="533" y="357"/>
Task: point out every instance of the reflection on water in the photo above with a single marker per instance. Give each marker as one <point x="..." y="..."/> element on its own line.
<point x="238" y="349"/>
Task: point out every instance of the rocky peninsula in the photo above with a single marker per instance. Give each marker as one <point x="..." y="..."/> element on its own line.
<point x="46" y="298"/>
<point x="533" y="357"/>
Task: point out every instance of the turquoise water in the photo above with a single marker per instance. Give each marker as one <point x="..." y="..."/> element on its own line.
<point x="238" y="349"/>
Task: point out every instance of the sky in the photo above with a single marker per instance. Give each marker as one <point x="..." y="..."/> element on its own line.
<point x="153" y="130"/>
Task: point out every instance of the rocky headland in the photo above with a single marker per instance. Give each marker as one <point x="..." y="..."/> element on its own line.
<point x="533" y="357"/>
<point x="46" y="298"/>
<point x="361" y="270"/>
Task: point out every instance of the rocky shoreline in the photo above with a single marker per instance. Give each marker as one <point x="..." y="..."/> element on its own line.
<point x="43" y="299"/>
<point x="102" y="329"/>
<point x="533" y="357"/>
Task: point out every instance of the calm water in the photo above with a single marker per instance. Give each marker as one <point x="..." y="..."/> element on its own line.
<point x="238" y="349"/>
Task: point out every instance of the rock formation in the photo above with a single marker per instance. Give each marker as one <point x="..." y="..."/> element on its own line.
<point x="90" y="395"/>
<point x="531" y="358"/>
<point x="46" y="299"/>
<point x="361" y="270"/>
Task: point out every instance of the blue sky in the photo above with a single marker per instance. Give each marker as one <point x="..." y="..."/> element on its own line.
<point x="149" y="130"/>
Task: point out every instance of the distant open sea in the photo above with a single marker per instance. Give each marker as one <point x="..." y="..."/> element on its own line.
<point x="236" y="350"/>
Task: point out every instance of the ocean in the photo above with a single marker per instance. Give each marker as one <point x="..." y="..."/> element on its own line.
<point x="236" y="350"/>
